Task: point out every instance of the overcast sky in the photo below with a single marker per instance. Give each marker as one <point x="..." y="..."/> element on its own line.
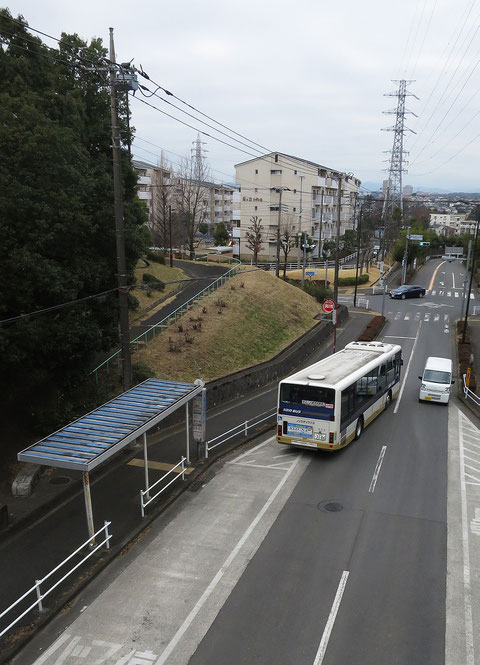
<point x="306" y="78"/>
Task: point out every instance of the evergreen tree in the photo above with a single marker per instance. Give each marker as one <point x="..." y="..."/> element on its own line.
<point x="57" y="223"/>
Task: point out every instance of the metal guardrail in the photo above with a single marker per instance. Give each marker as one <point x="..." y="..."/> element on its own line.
<point x="310" y="265"/>
<point x="172" y="317"/>
<point x="469" y="394"/>
<point x="36" y="587"/>
<point x="236" y="431"/>
<point x="146" y="492"/>
<point x="361" y="301"/>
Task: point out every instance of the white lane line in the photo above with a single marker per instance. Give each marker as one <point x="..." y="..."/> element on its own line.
<point x="275" y="467"/>
<point x="453" y="280"/>
<point x="249" y="452"/>
<point x="55" y="646"/>
<point x="331" y="619"/>
<point x="213" y="584"/>
<point x="467" y="589"/>
<point x="407" y="370"/>
<point x="377" y="470"/>
<point x="397" y="337"/>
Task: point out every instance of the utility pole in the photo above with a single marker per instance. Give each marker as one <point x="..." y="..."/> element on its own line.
<point x="299" y="234"/>
<point x="474" y="257"/>
<point x="359" y="238"/>
<point x="170" y="234"/>
<point x="280" y="189"/>
<point x="320" y="244"/>
<point x="119" y="227"/>
<point x="405" y="258"/>
<point x="465" y="279"/>
<point x="339" y="177"/>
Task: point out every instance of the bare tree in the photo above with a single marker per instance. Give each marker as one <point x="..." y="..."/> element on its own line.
<point x="162" y="199"/>
<point x="255" y="236"/>
<point x="192" y="196"/>
<point x="288" y="239"/>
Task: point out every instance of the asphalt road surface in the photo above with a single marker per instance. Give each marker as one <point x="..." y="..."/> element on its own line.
<point x="295" y="557"/>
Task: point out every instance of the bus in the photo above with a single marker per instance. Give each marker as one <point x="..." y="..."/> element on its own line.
<point x="328" y="404"/>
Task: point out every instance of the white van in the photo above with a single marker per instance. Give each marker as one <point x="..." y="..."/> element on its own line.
<point x="436" y="380"/>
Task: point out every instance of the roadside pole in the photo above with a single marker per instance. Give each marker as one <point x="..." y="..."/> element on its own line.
<point x="465" y="280"/>
<point x="329" y="306"/>
<point x="304" y="265"/>
<point x="405" y="258"/>
<point x="359" y="236"/>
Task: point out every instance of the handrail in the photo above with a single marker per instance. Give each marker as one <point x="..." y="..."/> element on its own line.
<point x="469" y="393"/>
<point x="177" y="313"/>
<point x="36" y="586"/>
<point x="147" y="491"/>
<point x="245" y="426"/>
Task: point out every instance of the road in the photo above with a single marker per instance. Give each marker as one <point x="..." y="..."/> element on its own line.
<point x="297" y="557"/>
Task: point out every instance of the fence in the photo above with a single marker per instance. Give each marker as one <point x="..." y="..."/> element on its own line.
<point x="146" y="492"/>
<point x="469" y="394"/>
<point x="36" y="587"/>
<point x="311" y="264"/>
<point x="235" y="431"/>
<point x="361" y="301"/>
<point x="172" y="317"/>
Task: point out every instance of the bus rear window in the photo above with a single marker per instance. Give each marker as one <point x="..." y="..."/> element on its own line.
<point x="307" y="397"/>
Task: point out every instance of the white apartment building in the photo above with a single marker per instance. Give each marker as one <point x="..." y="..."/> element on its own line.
<point x="309" y="200"/>
<point x="220" y="202"/>
<point x="443" y="221"/>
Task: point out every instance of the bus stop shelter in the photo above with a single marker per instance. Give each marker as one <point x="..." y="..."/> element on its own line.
<point x="92" y="439"/>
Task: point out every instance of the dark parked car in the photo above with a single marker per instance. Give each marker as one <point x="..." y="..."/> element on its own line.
<point x="407" y="291"/>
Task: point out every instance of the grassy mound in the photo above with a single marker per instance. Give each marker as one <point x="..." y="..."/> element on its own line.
<point x="249" y="320"/>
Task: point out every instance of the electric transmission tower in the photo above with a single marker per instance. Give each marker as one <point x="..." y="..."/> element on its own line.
<point x="198" y="159"/>
<point x="393" y="197"/>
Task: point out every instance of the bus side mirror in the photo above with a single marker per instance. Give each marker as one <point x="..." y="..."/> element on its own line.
<point x="420" y="378"/>
<point x="453" y="381"/>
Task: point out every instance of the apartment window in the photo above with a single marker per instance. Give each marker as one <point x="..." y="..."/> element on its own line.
<point x="276" y="158"/>
<point x="273" y="208"/>
<point x="294" y="210"/>
<point x="275" y="171"/>
<point x="256" y="171"/>
<point x="256" y="190"/>
<point x="295" y="172"/>
<point x="256" y="208"/>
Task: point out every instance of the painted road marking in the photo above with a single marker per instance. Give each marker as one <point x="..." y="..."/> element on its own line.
<point x="158" y="466"/>
<point x="467" y="589"/>
<point x="475" y="523"/>
<point x="331" y="619"/>
<point x="399" y="399"/>
<point x="426" y="316"/>
<point x="434" y="293"/>
<point x="213" y="584"/>
<point x="457" y="294"/>
<point x="436" y="317"/>
<point x="449" y="294"/>
<point x="377" y="470"/>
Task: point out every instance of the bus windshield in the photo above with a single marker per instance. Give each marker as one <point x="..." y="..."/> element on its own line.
<point x="307" y="396"/>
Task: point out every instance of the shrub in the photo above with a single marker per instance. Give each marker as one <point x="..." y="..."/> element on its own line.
<point x="133" y="302"/>
<point x="155" y="255"/>
<point x="153" y="282"/>
<point x="350" y="281"/>
<point x="372" y="330"/>
<point x="141" y="371"/>
<point x="314" y="289"/>
<point x="464" y="351"/>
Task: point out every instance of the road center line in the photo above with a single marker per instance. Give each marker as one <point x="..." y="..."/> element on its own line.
<point x="377" y="470"/>
<point x="434" y="275"/>
<point x="407" y="370"/>
<point x="331" y="619"/>
<point x="213" y="584"/>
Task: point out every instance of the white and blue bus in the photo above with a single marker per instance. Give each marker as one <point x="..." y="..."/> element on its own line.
<point x="328" y="404"/>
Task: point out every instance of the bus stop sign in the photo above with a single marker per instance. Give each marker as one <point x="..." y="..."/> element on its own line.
<point x="328" y="306"/>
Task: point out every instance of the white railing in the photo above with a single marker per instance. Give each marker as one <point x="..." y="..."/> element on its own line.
<point x="235" y="431"/>
<point x="469" y="393"/>
<point x="36" y="587"/>
<point x="348" y="300"/>
<point x="146" y="492"/>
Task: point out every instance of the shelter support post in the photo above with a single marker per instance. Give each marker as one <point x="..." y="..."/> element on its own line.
<point x="187" y="429"/>
<point x="88" y="507"/>
<point x="145" y="460"/>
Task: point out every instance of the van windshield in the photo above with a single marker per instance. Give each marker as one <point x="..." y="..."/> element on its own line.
<point x="435" y="376"/>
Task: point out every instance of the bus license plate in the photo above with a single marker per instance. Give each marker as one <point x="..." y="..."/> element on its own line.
<point x="300" y="430"/>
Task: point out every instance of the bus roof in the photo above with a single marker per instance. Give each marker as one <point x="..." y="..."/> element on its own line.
<point x="355" y="358"/>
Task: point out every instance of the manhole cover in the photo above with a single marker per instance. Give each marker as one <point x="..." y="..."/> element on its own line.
<point x="59" y="480"/>
<point x="330" y="506"/>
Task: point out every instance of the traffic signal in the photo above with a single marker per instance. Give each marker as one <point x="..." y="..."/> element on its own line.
<point x="424" y="244"/>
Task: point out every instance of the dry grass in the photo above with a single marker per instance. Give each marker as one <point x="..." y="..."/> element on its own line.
<point x="374" y="275"/>
<point x="165" y="274"/>
<point x="241" y="326"/>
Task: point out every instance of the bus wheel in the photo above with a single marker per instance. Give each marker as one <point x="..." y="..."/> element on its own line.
<point x="359" y="427"/>
<point x="388" y="400"/>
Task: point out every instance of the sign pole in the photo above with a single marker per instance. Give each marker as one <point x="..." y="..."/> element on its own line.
<point x="334" y="318"/>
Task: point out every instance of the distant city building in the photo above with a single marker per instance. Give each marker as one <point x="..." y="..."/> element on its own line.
<point x="309" y="197"/>
<point x="408" y="190"/>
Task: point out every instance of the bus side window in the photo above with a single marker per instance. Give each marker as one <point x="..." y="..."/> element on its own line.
<point x="398" y="364"/>
<point x="390" y="370"/>
<point x="372" y="382"/>
<point x="348" y="404"/>
<point x="382" y="377"/>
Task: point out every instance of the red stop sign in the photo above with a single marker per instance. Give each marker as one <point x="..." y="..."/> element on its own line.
<point x="328" y="305"/>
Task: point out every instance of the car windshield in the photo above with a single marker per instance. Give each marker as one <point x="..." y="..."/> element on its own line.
<point x="435" y="376"/>
<point x="402" y="288"/>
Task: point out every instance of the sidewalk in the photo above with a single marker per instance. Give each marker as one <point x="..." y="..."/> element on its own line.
<point x="51" y="523"/>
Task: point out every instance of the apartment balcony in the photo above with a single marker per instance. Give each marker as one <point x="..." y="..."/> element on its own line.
<point x="321" y="182"/>
<point x="144" y="180"/>
<point x="144" y="196"/>
<point x="236" y="213"/>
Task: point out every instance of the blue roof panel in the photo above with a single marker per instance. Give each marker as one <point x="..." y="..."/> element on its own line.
<point x="93" y="438"/>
